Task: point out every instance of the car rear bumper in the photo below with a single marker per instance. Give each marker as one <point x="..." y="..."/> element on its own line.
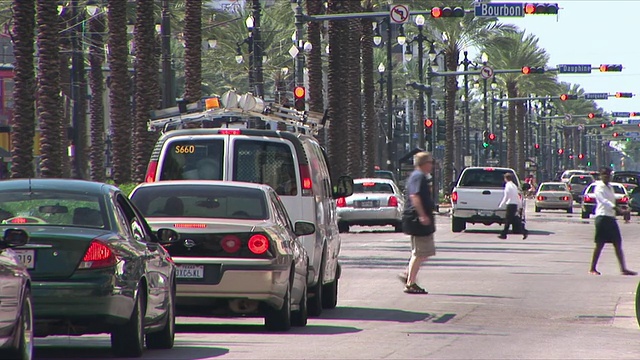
<point x="365" y="216"/>
<point x="480" y="216"/>
<point x="554" y="204"/>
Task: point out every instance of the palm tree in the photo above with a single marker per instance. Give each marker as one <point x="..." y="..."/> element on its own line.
<point x="146" y="74"/>
<point x="353" y="88"/>
<point x="193" y="50"/>
<point x="23" y="121"/>
<point x="120" y="94"/>
<point x="49" y="100"/>
<point x="460" y="33"/>
<point x="96" y="108"/>
<point x="370" y="126"/>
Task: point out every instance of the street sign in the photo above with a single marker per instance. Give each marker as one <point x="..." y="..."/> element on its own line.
<point x="596" y="96"/>
<point x="620" y="114"/>
<point x="486" y="72"/>
<point x="399" y="14"/>
<point x="574" y="69"/>
<point x="499" y="9"/>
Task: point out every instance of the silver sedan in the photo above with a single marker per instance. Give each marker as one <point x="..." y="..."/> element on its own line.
<point x="374" y="202"/>
<point x="554" y="195"/>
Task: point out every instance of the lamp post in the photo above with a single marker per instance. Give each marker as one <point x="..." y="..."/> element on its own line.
<point x="420" y="38"/>
<point x="485" y="59"/>
<point x="168" y="93"/>
<point x="257" y="50"/>
<point x="466" y="62"/>
<point x="249" y="40"/>
<point x="390" y="147"/>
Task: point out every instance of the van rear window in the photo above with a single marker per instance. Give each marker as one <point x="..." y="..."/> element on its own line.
<point x="193" y="160"/>
<point x="265" y="162"/>
<point x="485" y="178"/>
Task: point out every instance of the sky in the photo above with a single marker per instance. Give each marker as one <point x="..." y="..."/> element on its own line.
<point x="592" y="32"/>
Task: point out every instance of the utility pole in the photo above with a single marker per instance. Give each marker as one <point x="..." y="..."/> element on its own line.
<point x="299" y="45"/>
<point x="168" y="93"/>
<point x="257" y="50"/>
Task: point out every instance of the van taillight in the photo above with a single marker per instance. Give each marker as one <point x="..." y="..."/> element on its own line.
<point x="151" y="171"/>
<point x="393" y="201"/>
<point x="305" y="180"/>
<point x="454" y="197"/>
<point x="341" y="202"/>
<point x="98" y="255"/>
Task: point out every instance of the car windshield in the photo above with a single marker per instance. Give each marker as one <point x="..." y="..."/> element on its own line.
<point x="581" y="180"/>
<point x="553" y="187"/>
<point x="485" y="177"/>
<point x="372" y="187"/>
<point x="203" y="201"/>
<point x="52" y="207"/>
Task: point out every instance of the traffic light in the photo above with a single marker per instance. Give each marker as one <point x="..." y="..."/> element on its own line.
<point x="441" y="130"/>
<point x="608" y="68"/>
<point x="428" y="127"/>
<point x="485" y="139"/>
<point x="615" y="134"/>
<point x="492" y="138"/>
<point x="540" y="9"/>
<point x="560" y="151"/>
<point x="537" y="149"/>
<point x="445" y="12"/>
<point x="299" y="93"/>
<point x="581" y="156"/>
<point x="532" y="70"/>
<point x="565" y="97"/>
<point x="624" y="94"/>
<point x="593" y="116"/>
<point x="604" y="126"/>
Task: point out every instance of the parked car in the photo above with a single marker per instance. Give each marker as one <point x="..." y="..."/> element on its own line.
<point x="577" y="184"/>
<point x="589" y="201"/>
<point x="553" y="195"/>
<point x="237" y="252"/>
<point x="94" y="263"/>
<point x="374" y="202"/>
<point x="629" y="179"/>
<point x="16" y="317"/>
<point x="293" y="164"/>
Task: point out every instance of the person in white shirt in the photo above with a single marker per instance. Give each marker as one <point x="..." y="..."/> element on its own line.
<point x="511" y="199"/>
<point x="607" y="230"/>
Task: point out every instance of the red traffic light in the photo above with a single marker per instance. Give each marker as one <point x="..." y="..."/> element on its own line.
<point x="445" y="12"/>
<point x="540" y="9"/>
<point x="436" y="12"/>
<point x="532" y="70"/>
<point x="526" y="70"/>
<point x="565" y="97"/>
<point x="492" y="136"/>
<point x="537" y="146"/>
<point x="299" y="93"/>
<point x="560" y="151"/>
<point x="605" y="125"/>
<point x="615" y="134"/>
<point x="607" y="68"/>
<point x="428" y="123"/>
<point x="581" y="156"/>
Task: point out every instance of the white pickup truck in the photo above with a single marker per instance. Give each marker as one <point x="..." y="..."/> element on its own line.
<point x="477" y="195"/>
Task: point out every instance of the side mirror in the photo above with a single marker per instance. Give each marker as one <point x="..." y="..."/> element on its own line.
<point x="302" y="228"/>
<point x="343" y="187"/>
<point x="167" y="236"/>
<point x="13" y="238"/>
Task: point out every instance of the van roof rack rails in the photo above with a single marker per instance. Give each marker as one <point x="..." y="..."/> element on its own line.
<point x="235" y="110"/>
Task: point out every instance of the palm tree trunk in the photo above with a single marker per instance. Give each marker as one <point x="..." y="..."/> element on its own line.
<point x="338" y="71"/>
<point x="120" y="94"/>
<point x="520" y="139"/>
<point x="354" y="79"/>
<point x="49" y="100"/>
<point x="370" y="133"/>
<point x="65" y="89"/>
<point x="96" y="108"/>
<point x="193" y="50"/>
<point x="146" y="68"/>
<point x="24" y="117"/>
<point x="314" y="62"/>
<point x="511" y="127"/>
<point x="451" y="86"/>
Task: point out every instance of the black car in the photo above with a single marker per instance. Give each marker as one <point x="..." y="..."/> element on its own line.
<point x="16" y="317"/>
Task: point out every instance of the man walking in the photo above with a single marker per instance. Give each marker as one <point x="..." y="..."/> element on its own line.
<point x="419" y="199"/>
<point x="607" y="230"/>
<point x="511" y="199"/>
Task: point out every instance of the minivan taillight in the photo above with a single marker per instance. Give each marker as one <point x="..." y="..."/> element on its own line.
<point x="305" y="180"/>
<point x="454" y="197"/>
<point x="151" y="171"/>
<point x="393" y="201"/>
<point x="97" y="256"/>
<point x="341" y="202"/>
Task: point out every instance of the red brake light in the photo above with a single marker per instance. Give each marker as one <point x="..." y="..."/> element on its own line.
<point x="393" y="201"/>
<point x="540" y="198"/>
<point x="368" y="184"/>
<point x="488" y="169"/>
<point x="342" y="202"/>
<point x="305" y="179"/>
<point x="454" y="197"/>
<point x="624" y="200"/>
<point x="230" y="132"/>
<point x="98" y="255"/>
<point x="230" y="243"/>
<point x="588" y="199"/>
<point x="258" y="244"/>
<point x="19" y="220"/>
<point x="190" y="226"/>
<point x="565" y="198"/>
<point x="151" y="171"/>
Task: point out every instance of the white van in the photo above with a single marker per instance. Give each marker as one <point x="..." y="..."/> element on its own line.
<point x="293" y="164"/>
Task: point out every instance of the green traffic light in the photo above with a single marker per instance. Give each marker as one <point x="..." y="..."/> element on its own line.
<point x="588" y="163"/>
<point x="485" y="145"/>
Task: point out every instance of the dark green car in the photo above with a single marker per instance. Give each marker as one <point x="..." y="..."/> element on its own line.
<point x="95" y="265"/>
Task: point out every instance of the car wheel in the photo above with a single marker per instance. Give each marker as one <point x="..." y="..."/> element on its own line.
<point x="301" y="316"/>
<point x="638" y="304"/>
<point x="570" y="210"/>
<point x="314" y="303"/>
<point x="280" y="319"/>
<point x="127" y="340"/>
<point x="330" y="294"/>
<point x="537" y="209"/>
<point x="458" y="225"/>
<point x="585" y="215"/>
<point x="343" y="227"/>
<point x="165" y="338"/>
<point x="23" y="333"/>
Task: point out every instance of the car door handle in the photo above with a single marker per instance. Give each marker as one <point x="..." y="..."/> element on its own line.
<point x="486" y="192"/>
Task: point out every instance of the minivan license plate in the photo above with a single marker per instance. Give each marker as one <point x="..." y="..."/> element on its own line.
<point x="28" y="257"/>
<point x="190" y="271"/>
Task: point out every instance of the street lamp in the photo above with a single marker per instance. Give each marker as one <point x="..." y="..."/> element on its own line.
<point x="466" y="62"/>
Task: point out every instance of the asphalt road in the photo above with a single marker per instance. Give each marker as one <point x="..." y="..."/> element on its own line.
<point x="488" y="299"/>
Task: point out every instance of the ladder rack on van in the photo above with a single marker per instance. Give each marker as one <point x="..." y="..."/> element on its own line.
<point x="234" y="110"/>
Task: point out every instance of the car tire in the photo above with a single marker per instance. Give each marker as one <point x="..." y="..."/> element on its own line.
<point x="638" y="304"/>
<point x="314" y="303"/>
<point x="330" y="294"/>
<point x="301" y="316"/>
<point x="279" y="319"/>
<point x="23" y="349"/>
<point x="127" y="340"/>
<point x="458" y="225"/>
<point x="164" y="339"/>
<point x="537" y="209"/>
<point x="570" y="210"/>
<point x="343" y="227"/>
<point x="585" y="215"/>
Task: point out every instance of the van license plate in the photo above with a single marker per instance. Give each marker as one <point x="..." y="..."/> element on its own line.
<point x="28" y="257"/>
<point x="190" y="271"/>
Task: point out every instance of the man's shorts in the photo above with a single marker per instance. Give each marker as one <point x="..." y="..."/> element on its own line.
<point x="423" y="246"/>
